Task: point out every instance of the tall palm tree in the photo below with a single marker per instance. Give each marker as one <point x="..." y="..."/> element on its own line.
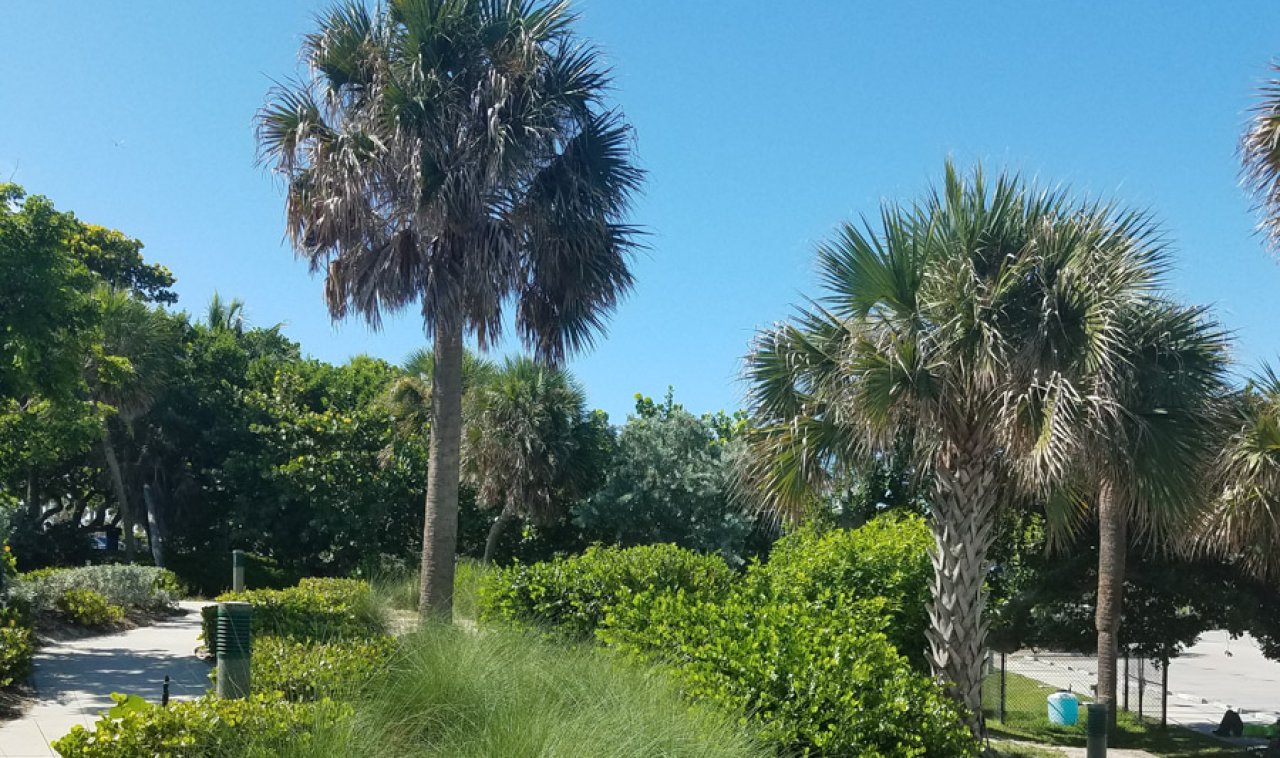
<point x="528" y="446"/>
<point x="977" y="319"/>
<point x="1155" y="426"/>
<point x="1243" y="522"/>
<point x="1260" y="154"/>
<point x="457" y="154"/>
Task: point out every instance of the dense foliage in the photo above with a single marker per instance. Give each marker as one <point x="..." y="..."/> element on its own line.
<point x="818" y="677"/>
<point x="805" y="647"/>
<point x="142" y="588"/>
<point x="672" y="481"/>
<point x="573" y="595"/>
<point x="258" y="727"/>
<point x="315" y="609"/>
<point x="309" y="670"/>
<point x="888" y="558"/>
<point x="88" y="608"/>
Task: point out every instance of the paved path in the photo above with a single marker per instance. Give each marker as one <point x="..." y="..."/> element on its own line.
<point x="74" y="679"/>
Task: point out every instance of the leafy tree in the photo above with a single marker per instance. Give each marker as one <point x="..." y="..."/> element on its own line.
<point x="322" y="494"/>
<point x="45" y="306"/>
<point x="671" y="481"/>
<point x="528" y="446"/>
<point x="518" y="184"/>
<point x="117" y="260"/>
<point x="975" y="319"/>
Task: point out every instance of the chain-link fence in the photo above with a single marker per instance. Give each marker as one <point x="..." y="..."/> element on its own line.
<point x="1017" y="685"/>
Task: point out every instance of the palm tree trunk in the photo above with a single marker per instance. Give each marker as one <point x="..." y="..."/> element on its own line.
<point x="440" y="526"/>
<point x="495" y="531"/>
<point x="122" y="494"/>
<point x="963" y="525"/>
<point x="1112" y="544"/>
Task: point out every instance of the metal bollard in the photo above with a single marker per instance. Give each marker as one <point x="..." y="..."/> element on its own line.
<point x="1096" y="747"/>
<point x="237" y="570"/>
<point x="235" y="642"/>
<point x="164" y="695"/>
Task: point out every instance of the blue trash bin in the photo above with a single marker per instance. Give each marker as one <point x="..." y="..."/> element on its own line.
<point x="1064" y="708"/>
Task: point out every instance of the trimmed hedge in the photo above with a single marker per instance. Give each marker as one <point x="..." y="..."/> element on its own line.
<point x="204" y="728"/>
<point x="573" y="595"/>
<point x="301" y="671"/>
<point x="315" y="609"/>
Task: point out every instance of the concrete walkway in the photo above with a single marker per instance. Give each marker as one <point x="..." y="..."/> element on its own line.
<point x="74" y="679"/>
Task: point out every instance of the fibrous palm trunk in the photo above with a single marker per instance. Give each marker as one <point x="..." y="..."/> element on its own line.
<point x="440" y="525"/>
<point x="1112" y="544"/>
<point x="963" y="524"/>
<point x="122" y="494"/>
<point x="495" y="531"/>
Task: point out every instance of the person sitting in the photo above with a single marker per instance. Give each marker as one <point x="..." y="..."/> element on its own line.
<point x="1232" y="725"/>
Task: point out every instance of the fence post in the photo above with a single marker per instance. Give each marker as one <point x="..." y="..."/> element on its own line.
<point x="1003" y="686"/>
<point x="237" y="570"/>
<point x="1164" y="693"/>
<point x="1126" y="681"/>
<point x="1096" y="744"/>
<point x="1142" y="682"/>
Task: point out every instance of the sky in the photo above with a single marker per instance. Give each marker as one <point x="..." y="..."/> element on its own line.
<point x="762" y="126"/>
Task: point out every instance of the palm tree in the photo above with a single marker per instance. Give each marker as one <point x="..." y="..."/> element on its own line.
<point x="528" y="445"/>
<point x="975" y="319"/>
<point x="1155" y="429"/>
<point x="1260" y="154"/>
<point x="457" y="154"/>
<point x="124" y="375"/>
<point x="1243" y="522"/>
<point x="225" y="315"/>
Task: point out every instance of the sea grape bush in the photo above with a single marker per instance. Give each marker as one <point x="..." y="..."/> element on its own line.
<point x="314" y="609"/>
<point x="300" y="671"/>
<point x="816" y="678"/>
<point x="886" y="558"/>
<point x="573" y="595"/>
<point x="256" y="726"/>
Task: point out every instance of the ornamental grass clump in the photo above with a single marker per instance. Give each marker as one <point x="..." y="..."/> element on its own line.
<point x="504" y="692"/>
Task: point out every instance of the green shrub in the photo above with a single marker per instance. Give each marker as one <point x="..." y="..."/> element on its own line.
<point x="316" y="609"/>
<point x="17" y="646"/>
<point x="818" y="677"/>
<point x="888" y="558"/>
<point x="572" y="595"/>
<point x="205" y="728"/>
<point x="144" y="588"/>
<point x="88" y="608"/>
<point x="312" y="670"/>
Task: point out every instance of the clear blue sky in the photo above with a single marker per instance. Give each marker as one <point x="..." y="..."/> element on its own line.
<point x="762" y="125"/>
